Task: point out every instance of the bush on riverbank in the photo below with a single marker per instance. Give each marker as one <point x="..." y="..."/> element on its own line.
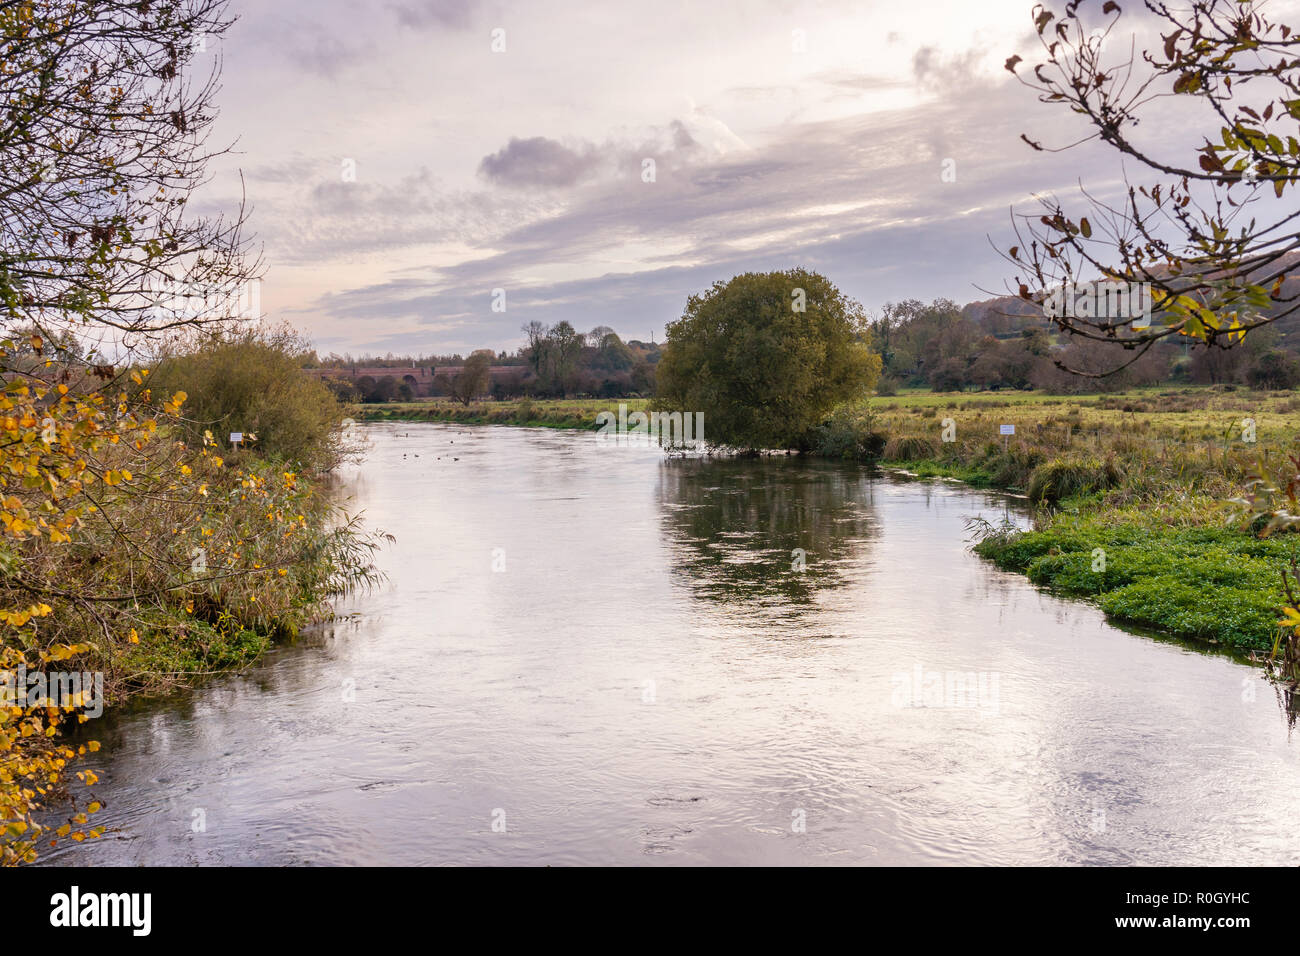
<point x="766" y="357"/>
<point x="851" y="433"/>
<point x="1061" y="478"/>
<point x="131" y="552"/>
<point x="250" y="381"/>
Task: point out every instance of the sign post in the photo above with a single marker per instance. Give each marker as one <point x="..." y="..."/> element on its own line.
<point x="1004" y="431"/>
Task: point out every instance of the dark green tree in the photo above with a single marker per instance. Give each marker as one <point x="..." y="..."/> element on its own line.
<point x="766" y="357"/>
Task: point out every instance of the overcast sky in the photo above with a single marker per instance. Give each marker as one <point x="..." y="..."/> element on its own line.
<point x="782" y="134"/>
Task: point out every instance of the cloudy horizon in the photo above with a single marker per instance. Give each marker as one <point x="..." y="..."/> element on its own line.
<point x="602" y="165"/>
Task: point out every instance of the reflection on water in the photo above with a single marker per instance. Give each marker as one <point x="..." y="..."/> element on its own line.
<point x="748" y="529"/>
<point x="648" y="678"/>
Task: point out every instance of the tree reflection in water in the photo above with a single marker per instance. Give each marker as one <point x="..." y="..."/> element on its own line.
<point x="736" y="525"/>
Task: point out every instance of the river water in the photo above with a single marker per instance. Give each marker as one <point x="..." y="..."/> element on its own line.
<point x="589" y="652"/>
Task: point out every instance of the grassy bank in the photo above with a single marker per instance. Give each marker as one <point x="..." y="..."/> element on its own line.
<point x="1133" y="493"/>
<point x="1183" y="575"/>
<point x="556" y="413"/>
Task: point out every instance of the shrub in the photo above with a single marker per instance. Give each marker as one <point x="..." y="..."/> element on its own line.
<point x="1062" y="478"/>
<point x="764" y="374"/>
<point x="910" y="448"/>
<point x="252" y="382"/>
<point x="850" y="433"/>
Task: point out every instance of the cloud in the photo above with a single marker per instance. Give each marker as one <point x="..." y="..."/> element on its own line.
<point x="850" y="197"/>
<point x="860" y="82"/>
<point x="322" y="53"/>
<point x="947" y="75"/>
<point x="434" y="13"/>
<point x="524" y="170"/>
<point x="295" y="170"/>
<point x="539" y="161"/>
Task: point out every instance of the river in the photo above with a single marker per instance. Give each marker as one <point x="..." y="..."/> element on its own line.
<point x="589" y="652"/>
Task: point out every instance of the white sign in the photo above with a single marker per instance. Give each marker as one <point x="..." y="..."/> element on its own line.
<point x="1006" y="429"/>
<point x="237" y="437"/>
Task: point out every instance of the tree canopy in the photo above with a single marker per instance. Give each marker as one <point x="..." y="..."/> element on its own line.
<point x="766" y="357"/>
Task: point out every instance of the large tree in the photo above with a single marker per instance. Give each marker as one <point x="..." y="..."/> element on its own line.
<point x="766" y="357"/>
<point x="1204" y="219"/>
<point x="473" y="378"/>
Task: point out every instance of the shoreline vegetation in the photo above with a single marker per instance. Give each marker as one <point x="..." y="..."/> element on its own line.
<point x="146" y="549"/>
<point x="163" y="455"/>
<point x="1133" y="490"/>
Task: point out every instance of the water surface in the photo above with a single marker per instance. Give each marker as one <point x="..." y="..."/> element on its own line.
<point x="591" y="653"/>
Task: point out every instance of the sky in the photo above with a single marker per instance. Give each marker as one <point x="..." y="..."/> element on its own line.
<point x="405" y="160"/>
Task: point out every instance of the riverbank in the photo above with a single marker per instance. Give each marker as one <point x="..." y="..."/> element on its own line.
<point x="525" y="413"/>
<point x="1133" y="488"/>
<point x="229" y="581"/>
<point x="141" y="553"/>
<point x="1134" y="492"/>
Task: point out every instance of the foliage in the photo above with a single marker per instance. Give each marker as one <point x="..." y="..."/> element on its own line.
<point x="472" y="380"/>
<point x="909" y="448"/>
<point x="851" y="434"/>
<point x="1061" y="478"/>
<point x="766" y="357"/>
<point x="103" y="136"/>
<point x="249" y="381"/>
<point x="554" y="353"/>
<point x="1210" y="583"/>
<point x="1270" y="507"/>
<point x="950" y="348"/>
<point x="1208" y="232"/>
<point x="129" y="551"/>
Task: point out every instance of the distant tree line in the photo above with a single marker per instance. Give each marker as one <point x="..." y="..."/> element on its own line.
<point x="557" y="361"/>
<point x="567" y="362"/>
<point x="946" y="347"/>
